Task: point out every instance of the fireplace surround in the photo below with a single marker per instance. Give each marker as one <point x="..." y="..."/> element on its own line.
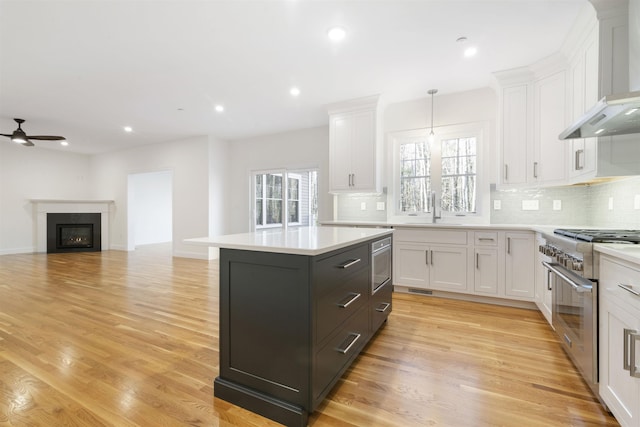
<point x="42" y="207"/>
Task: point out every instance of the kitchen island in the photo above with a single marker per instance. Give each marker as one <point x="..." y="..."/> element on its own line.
<point x="296" y="308"/>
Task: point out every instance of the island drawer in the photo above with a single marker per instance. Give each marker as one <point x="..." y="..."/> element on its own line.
<point x="336" y="306"/>
<point x="333" y="359"/>
<point x="332" y="271"/>
<point x="380" y="306"/>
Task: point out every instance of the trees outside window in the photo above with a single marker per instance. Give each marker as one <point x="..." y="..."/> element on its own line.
<point x="273" y="191"/>
<point x="447" y="166"/>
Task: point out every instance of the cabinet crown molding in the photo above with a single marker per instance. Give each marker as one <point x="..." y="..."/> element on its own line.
<point x="364" y="103"/>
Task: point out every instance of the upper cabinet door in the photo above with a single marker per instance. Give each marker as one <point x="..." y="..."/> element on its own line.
<point x="515" y="139"/>
<point x="550" y="153"/>
<point x="355" y="147"/>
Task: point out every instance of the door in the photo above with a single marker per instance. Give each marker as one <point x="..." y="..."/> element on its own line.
<point x="519" y="265"/>
<point x="486" y="271"/>
<point x="448" y="268"/>
<point x="410" y="265"/>
<point x="340" y="162"/>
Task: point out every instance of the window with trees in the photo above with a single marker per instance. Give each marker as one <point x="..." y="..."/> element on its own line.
<point x="283" y="197"/>
<point x="447" y="166"/>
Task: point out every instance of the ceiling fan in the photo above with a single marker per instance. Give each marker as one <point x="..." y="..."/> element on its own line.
<point x="20" y="137"/>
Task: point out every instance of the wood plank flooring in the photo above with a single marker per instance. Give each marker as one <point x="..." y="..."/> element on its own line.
<point x="131" y="339"/>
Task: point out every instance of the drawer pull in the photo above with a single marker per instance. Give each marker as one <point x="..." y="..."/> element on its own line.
<point x="356" y="337"/>
<point x="352" y="299"/>
<point x="486" y="239"/>
<point x="383" y="307"/>
<point x="349" y="263"/>
<point x="629" y="288"/>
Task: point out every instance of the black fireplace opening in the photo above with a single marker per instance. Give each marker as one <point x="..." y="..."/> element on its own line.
<point x="73" y="232"/>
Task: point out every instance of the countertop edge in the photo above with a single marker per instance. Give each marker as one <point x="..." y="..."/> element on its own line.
<point x="618" y="251"/>
<point x="217" y="242"/>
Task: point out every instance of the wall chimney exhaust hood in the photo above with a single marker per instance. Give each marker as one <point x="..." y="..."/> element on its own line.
<point x="617" y="114"/>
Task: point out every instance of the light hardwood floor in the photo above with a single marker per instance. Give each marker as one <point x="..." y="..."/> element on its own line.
<point x="131" y="339"/>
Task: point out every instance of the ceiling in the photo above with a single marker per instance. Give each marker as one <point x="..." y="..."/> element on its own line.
<point x="86" y="69"/>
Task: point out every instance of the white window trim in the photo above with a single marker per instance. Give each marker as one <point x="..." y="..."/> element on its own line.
<point x="475" y="129"/>
<point x="285" y="206"/>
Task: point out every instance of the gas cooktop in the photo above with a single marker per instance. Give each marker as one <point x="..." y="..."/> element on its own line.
<point x="600" y="236"/>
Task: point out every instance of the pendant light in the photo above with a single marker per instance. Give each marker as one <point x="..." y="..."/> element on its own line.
<point x="432" y="136"/>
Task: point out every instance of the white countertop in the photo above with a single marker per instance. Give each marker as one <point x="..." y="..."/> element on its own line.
<point x="295" y="240"/>
<point x="629" y="253"/>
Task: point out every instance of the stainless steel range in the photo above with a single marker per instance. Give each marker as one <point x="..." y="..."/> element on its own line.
<point x="573" y="275"/>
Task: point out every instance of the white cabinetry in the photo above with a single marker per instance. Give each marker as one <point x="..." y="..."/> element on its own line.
<point x="544" y="292"/>
<point x="419" y="263"/>
<point x="519" y="265"/>
<point x="486" y="278"/>
<point x="355" y="146"/>
<point x="533" y="113"/>
<point x="484" y="263"/>
<point x="619" y="339"/>
<point x="550" y="157"/>
<point x="516" y="131"/>
<point x="583" y="93"/>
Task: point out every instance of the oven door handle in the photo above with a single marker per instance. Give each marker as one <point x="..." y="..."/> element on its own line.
<point x="566" y="278"/>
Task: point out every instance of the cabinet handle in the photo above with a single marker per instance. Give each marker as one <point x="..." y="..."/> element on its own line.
<point x="386" y="305"/>
<point x="426" y="257"/>
<point x="356" y="337"/>
<point x="485" y="239"/>
<point x="353" y="179"/>
<point x="431" y="257"/>
<point x="549" y="288"/>
<point x="578" y="164"/>
<point x="477" y="261"/>
<point x="625" y="352"/>
<point x="349" y="263"/>
<point x="509" y="245"/>
<point x="633" y="370"/>
<point x="629" y="288"/>
<point x="535" y="169"/>
<point x="506" y="172"/>
<point x="348" y="303"/>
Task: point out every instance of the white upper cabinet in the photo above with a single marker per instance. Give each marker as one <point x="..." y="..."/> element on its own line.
<point x="550" y="118"/>
<point x="355" y="146"/>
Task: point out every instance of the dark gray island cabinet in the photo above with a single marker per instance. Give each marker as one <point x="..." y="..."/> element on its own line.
<point x="291" y="323"/>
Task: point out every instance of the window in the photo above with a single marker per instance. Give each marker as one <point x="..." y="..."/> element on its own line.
<point x="299" y="195"/>
<point x="447" y="166"/>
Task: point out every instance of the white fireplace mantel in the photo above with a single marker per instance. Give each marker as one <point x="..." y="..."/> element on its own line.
<point x="42" y="207"/>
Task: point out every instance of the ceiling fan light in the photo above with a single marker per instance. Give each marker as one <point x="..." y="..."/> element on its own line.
<point x="19" y="139"/>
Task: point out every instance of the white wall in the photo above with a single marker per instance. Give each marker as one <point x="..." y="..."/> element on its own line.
<point x="308" y="148"/>
<point x="35" y="173"/>
<point x="150" y="214"/>
<point x="188" y="160"/>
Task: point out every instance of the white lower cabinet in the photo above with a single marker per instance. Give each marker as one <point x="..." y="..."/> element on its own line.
<point x="543" y="288"/>
<point x="519" y="265"/>
<point x="471" y="262"/>
<point x="431" y="267"/>
<point x="619" y="340"/>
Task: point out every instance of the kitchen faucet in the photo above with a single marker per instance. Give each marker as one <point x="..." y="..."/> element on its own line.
<point x="434" y="217"/>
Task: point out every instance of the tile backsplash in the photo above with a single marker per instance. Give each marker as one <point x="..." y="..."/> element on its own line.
<point x="614" y="204"/>
<point x="609" y="204"/>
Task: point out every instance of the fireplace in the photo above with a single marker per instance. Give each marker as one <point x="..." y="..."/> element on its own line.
<point x="73" y="232"/>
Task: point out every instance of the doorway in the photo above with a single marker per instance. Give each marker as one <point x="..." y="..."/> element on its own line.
<point x="150" y="209"/>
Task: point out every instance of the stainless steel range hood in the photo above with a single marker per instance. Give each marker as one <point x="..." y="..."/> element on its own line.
<point x="617" y="114"/>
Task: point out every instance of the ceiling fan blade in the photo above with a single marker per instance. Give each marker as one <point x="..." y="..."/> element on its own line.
<point x="46" y="137"/>
<point x="5" y="134"/>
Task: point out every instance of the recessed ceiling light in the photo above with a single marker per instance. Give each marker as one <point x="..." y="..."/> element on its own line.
<point x="64" y="143"/>
<point x="470" y="51"/>
<point x="294" y="91"/>
<point x="336" y="34"/>
<point x="128" y="129"/>
<point x="219" y="108"/>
